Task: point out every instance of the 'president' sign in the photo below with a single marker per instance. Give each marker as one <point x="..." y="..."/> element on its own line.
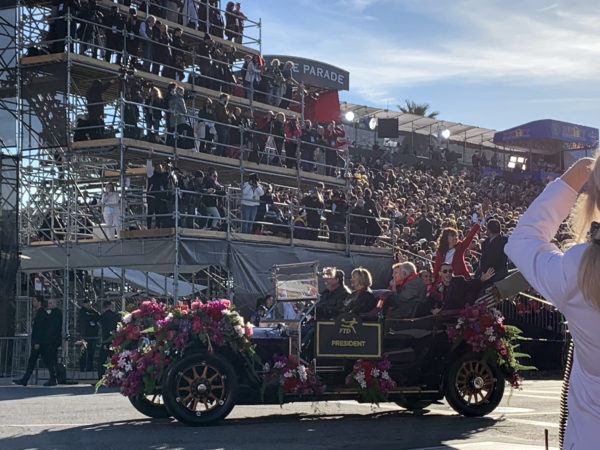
<point x="315" y="73"/>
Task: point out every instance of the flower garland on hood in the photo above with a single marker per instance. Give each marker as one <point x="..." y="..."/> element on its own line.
<point x="148" y="338"/>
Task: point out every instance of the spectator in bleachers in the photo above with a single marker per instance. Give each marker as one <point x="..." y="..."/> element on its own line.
<point x="114" y="26"/>
<point x="178" y="119"/>
<point x="331" y="136"/>
<point x="178" y="52"/>
<point x="252" y="78"/>
<point x="111" y="210"/>
<point x="239" y="29"/>
<point x="203" y="9"/>
<point x="230" y="21"/>
<point x="314" y="204"/>
<point x="163" y="53"/>
<point x="132" y="26"/>
<point x="278" y="131"/>
<point x="95" y="107"/>
<point x="88" y="30"/>
<point x="171" y="11"/>
<point x="287" y="72"/>
<point x="213" y="192"/>
<point x="252" y="191"/>
<point x="157" y="193"/>
<point x="147" y="32"/>
<point x="204" y="51"/>
<point x="222" y="116"/>
<point x="292" y="136"/>
<point x="189" y="13"/>
<point x="276" y="82"/>
<point x="204" y="129"/>
<point x="153" y="113"/>
<point x="215" y="19"/>
<point x="308" y="139"/>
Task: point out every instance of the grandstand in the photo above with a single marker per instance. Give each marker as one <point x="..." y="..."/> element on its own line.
<point x="65" y="161"/>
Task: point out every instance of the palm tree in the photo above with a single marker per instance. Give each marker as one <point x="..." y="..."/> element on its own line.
<point x="411" y="107"/>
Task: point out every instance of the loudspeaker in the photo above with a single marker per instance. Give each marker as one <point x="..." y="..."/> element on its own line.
<point x="388" y="128"/>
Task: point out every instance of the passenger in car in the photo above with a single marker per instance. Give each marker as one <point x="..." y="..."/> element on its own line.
<point x="454" y="292"/>
<point x="362" y="299"/>
<point x="333" y="297"/>
<point x="411" y="300"/>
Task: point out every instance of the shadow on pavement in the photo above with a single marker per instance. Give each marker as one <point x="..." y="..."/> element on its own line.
<point x="382" y="430"/>
<point x="15" y="392"/>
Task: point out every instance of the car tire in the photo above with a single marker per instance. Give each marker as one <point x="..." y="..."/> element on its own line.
<point x="200" y="389"/>
<point x="150" y="405"/>
<point x="472" y="387"/>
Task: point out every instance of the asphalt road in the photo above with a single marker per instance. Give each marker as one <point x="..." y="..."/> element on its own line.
<point x="73" y="417"/>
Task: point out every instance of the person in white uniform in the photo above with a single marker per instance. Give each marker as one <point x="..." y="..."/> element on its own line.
<point x="570" y="281"/>
<point x="110" y="208"/>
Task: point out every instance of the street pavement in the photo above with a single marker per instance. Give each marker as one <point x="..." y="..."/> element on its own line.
<point x="73" y="417"/>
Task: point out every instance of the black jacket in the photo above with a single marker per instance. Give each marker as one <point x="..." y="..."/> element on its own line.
<point x="89" y="322"/>
<point x="109" y="320"/>
<point x="331" y="303"/>
<point x="425" y="229"/>
<point x="37" y="329"/>
<point x="51" y="332"/>
<point x="492" y="255"/>
<point x="460" y="292"/>
<point x="361" y="302"/>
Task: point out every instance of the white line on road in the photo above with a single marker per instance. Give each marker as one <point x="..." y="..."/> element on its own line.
<point x="534" y="422"/>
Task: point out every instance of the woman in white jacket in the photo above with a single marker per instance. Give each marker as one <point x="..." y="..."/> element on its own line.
<point x="252" y="191"/>
<point x="110" y="208"/>
<point x="571" y="281"/>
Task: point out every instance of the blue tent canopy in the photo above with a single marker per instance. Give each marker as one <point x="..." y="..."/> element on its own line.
<point x="549" y="136"/>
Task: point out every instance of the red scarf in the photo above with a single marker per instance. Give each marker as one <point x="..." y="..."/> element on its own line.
<point x="409" y="278"/>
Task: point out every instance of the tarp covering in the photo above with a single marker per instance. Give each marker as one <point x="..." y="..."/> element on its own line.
<point x="249" y="262"/>
<point x="156" y="283"/>
<point x="549" y="136"/>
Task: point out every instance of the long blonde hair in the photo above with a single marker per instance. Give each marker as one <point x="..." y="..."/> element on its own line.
<point x="587" y="209"/>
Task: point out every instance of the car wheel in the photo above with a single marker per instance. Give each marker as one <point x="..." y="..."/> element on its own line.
<point x="150" y="405"/>
<point x="473" y="387"/>
<point x="200" y="389"/>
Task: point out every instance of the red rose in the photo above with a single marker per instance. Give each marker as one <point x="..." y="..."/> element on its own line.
<point x="468" y="333"/>
<point x="485" y="322"/>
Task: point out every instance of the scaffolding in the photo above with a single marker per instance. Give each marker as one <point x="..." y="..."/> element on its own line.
<point x="76" y="86"/>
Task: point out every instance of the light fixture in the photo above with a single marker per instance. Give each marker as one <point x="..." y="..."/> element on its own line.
<point x="373" y="123"/>
<point x="349" y="116"/>
<point x="446" y="133"/>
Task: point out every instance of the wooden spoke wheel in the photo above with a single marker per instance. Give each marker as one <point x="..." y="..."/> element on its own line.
<point x="473" y="387"/>
<point x="200" y="389"/>
<point x="151" y="405"/>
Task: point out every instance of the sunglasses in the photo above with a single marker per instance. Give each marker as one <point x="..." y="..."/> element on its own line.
<point x="447" y="271"/>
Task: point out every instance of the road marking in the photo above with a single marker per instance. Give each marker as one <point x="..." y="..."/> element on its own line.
<point x="485" y="446"/>
<point x="536" y="396"/>
<point x="534" y="422"/>
<point x="534" y="391"/>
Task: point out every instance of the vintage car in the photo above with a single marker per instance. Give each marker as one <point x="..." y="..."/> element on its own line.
<point x="201" y="386"/>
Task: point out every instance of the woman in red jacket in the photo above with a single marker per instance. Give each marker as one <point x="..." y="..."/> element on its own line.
<point x="452" y="251"/>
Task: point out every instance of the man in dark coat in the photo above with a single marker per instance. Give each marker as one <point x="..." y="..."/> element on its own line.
<point x="50" y="339"/>
<point x="411" y="301"/>
<point x="38" y="314"/>
<point x="333" y="297"/>
<point x="492" y="253"/>
<point x="108" y="321"/>
<point x="89" y="327"/>
<point x="114" y="38"/>
<point x="157" y="193"/>
<point x="454" y="292"/>
<point x="425" y="228"/>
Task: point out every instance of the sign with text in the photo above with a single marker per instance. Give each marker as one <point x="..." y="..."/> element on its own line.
<point x="348" y="337"/>
<point x="315" y="73"/>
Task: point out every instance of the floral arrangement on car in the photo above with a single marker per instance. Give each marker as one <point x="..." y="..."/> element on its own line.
<point x="289" y="376"/>
<point x="483" y="329"/>
<point x="148" y="338"/>
<point x="372" y="379"/>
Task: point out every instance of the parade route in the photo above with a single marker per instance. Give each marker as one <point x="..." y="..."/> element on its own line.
<point x="67" y="417"/>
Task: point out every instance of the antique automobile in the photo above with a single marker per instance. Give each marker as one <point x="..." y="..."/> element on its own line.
<point x="198" y="381"/>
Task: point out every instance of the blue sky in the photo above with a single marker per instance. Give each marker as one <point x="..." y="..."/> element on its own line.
<point x="489" y="63"/>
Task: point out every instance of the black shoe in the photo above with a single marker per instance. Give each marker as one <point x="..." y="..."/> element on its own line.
<point x="50" y="382"/>
<point x="21" y="381"/>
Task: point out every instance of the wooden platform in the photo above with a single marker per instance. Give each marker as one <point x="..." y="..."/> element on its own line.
<point x="138" y="152"/>
<point x="210" y="234"/>
<point x="85" y="69"/>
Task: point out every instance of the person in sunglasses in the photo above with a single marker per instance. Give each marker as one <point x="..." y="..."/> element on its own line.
<point x="453" y="292"/>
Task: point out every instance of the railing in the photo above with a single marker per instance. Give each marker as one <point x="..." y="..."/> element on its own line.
<point x="14" y="352"/>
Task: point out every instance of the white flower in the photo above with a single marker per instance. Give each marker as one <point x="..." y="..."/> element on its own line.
<point x="126" y="318"/>
<point x="279" y="365"/>
<point x="489" y="331"/>
<point x="385" y="375"/>
<point x="492" y="338"/>
<point x="302" y="373"/>
<point x="169" y="316"/>
<point x="363" y="384"/>
<point x="267" y="367"/>
<point x="460" y="322"/>
<point x="239" y="330"/>
<point x="374" y="372"/>
<point x="288" y="374"/>
<point x="128" y="367"/>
